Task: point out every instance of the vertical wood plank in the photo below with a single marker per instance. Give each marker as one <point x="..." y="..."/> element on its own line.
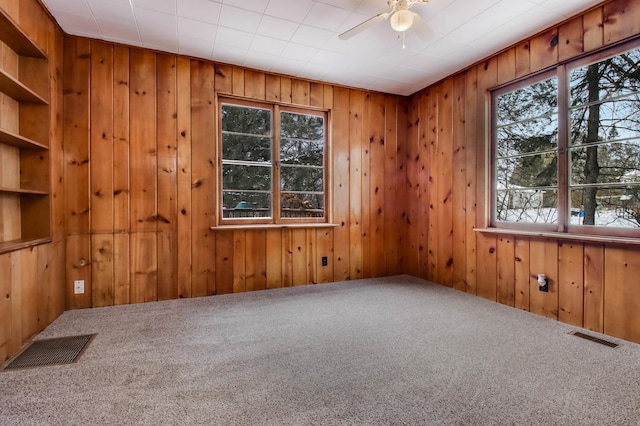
<point x="365" y="185"/>
<point x="287" y="258"/>
<point x="471" y="137"/>
<point x="340" y="179"/>
<point x="506" y="271"/>
<point x="507" y="68"/>
<point x="167" y="180"/>
<point x="571" y="283"/>
<point x="377" y="192"/>
<point x="324" y="238"/>
<point x="224" y="263"/>
<point x="412" y="190"/>
<point x="237" y="81"/>
<point x="523" y="59"/>
<point x="101" y="166"/>
<point x="521" y="272"/>
<point x="144" y="267"/>
<point x="426" y="165"/>
<point x="391" y="210"/>
<point x="316" y="95"/>
<point x="102" y="270"/>
<point x="78" y="260"/>
<point x="355" y="184"/>
<point x="272" y="83"/>
<point x="274" y="258"/>
<point x="593" y="29"/>
<point x="6" y="301"/>
<point x="121" y="137"/>
<point x="77" y="65"/>
<point x="254" y="85"/>
<point x="594" y="287"/>
<point x="621" y="301"/>
<point x="223" y="81"/>
<point x="459" y="184"/>
<point x="142" y="149"/>
<point x="285" y="90"/>
<point x="184" y="175"/>
<point x="486" y="280"/>
<point x="15" y="329"/>
<point x="29" y="292"/>
<point x="299" y="257"/>
<point x="238" y="261"/>
<point x="445" y="183"/>
<point x="300" y="92"/>
<point x="255" y="260"/>
<point x="570" y="39"/>
<point x="203" y="160"/>
<point x="543" y="259"/>
<point x="621" y="19"/>
<point x="121" y="269"/>
<point x="544" y="50"/>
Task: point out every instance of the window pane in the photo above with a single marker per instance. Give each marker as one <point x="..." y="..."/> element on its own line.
<point x="604" y="121"/>
<point x="527" y="172"/>
<point x="301" y="179"/>
<point x="246" y="148"/>
<point x="302" y="205"/>
<point x="536" y="135"/>
<point x="610" y="78"/>
<point x="241" y="119"/>
<point x="301" y="126"/>
<point x="297" y="151"/>
<point x="527" y="206"/>
<point x="246" y="177"/>
<point x="538" y="99"/>
<point x="613" y="207"/>
<point x="246" y="204"/>
<point x="608" y="163"/>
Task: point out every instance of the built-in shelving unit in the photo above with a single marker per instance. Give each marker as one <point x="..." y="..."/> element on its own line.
<point x="25" y="206"/>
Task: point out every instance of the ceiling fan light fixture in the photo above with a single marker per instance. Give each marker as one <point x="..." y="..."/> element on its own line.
<point x="401" y="20"/>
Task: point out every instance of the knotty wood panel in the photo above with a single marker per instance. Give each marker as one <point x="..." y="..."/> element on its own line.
<point x="505" y="268"/>
<point x="341" y="189"/>
<point x="355" y="184"/>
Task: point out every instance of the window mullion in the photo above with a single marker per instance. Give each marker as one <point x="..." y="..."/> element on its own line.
<point x="564" y="156"/>
<point x="276" y="164"/>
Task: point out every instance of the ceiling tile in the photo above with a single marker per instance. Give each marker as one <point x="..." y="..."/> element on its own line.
<point x="201" y="10"/>
<point x="311" y="36"/>
<point x="294" y="11"/>
<point x="299" y="51"/>
<point x="195" y="47"/>
<point x="157" y="28"/>
<point x="276" y="28"/>
<point x="240" y="19"/>
<point x="80" y="25"/>
<point x="267" y="45"/>
<point x="253" y="5"/>
<point x="350" y="5"/>
<point x="326" y="17"/>
<point x="75" y="7"/>
<point x="196" y="29"/>
<point x="165" y="6"/>
<point x="233" y="38"/>
<point x="228" y="54"/>
<point x="113" y="12"/>
<point x="120" y="30"/>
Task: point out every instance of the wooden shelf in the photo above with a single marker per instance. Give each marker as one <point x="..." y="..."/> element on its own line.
<point x="13" y="36"/>
<point x="18" y="91"/>
<point x="9" y="138"/>
<point x="22" y="191"/>
<point x="13" y="245"/>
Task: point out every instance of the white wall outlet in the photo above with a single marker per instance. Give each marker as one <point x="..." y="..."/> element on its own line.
<point x="78" y="287"/>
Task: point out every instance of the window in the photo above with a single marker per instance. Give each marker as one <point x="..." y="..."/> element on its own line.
<point x="273" y="163"/>
<point x="566" y="148"/>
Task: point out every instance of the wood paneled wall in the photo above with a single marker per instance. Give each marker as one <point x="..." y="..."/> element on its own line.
<point x="140" y="165"/>
<point x="32" y="292"/>
<point x="591" y="285"/>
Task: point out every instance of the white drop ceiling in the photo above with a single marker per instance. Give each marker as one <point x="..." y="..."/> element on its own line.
<point x="299" y="38"/>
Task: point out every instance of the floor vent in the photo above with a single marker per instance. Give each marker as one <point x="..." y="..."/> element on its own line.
<point x="63" y="350"/>
<point x="595" y="339"/>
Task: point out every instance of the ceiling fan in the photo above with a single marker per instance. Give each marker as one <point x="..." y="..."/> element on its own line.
<point x="399" y="15"/>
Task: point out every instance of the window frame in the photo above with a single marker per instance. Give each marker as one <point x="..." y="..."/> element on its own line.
<point x="276" y="216"/>
<point x="561" y="72"/>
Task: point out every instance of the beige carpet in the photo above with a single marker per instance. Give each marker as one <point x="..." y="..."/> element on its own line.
<point x="389" y="351"/>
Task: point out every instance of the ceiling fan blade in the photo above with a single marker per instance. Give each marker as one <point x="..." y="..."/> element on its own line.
<point x="422" y="29"/>
<point x="363" y="26"/>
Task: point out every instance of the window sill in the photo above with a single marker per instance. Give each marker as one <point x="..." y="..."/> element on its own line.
<point x="562" y="236"/>
<point x="251" y="227"/>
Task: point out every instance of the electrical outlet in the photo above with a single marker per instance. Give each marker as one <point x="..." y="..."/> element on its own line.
<point x="325" y="261"/>
<point x="78" y="287"/>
